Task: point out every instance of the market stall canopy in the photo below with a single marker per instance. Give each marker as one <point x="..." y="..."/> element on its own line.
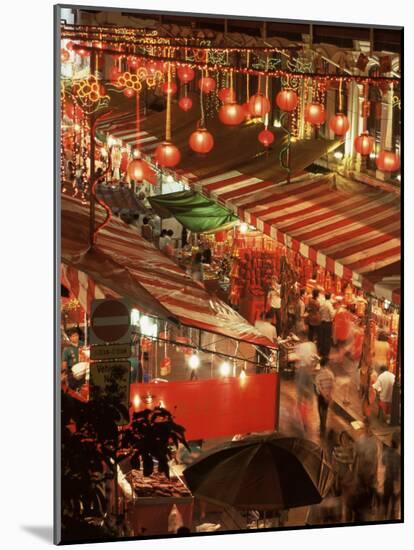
<point x="194" y="211"/>
<point x="348" y="228"/>
<point x="133" y="268"/>
<point x="235" y="149"/>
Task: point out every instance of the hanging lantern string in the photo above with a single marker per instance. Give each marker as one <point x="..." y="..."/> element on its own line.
<point x="137" y="115"/>
<point x="227" y="76"/>
<point x="248" y="77"/>
<point x="231" y="79"/>
<point x="202" y="119"/>
<point x="340" y="95"/>
<point x="266" y="121"/>
<point x="168" y="113"/>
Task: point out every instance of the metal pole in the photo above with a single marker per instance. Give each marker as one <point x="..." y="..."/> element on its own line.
<point x="92" y="118"/>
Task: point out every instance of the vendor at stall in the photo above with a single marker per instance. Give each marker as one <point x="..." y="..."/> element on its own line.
<point x="70" y="357"/>
<point x="274" y="303"/>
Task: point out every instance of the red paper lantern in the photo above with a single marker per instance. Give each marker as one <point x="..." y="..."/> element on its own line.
<point x="207" y="84"/>
<point x="315" y="114"/>
<point x="246" y="109"/>
<point x="185" y="74"/>
<point x="139" y="170"/>
<point x="64" y="55"/>
<point x="152" y="67"/>
<point x="185" y="103"/>
<point x="167" y="155"/>
<point x="388" y="161"/>
<point x="133" y="63"/>
<point x="259" y="105"/>
<point x="83" y="52"/>
<point x="171" y="89"/>
<point x="227" y="95"/>
<point x="201" y="141"/>
<point x="339" y="124"/>
<point x="129" y="92"/>
<point x="231" y="114"/>
<point x="114" y="73"/>
<point x="69" y="45"/>
<point x="364" y="144"/>
<point x="266" y="137"/>
<point x="287" y="100"/>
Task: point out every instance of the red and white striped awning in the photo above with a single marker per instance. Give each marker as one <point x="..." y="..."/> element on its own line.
<point x="133" y="268"/>
<point x="351" y="232"/>
<point x="123" y="127"/>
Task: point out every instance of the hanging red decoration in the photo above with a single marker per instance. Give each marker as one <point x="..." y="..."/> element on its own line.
<point x="227" y="95"/>
<point x="114" y="73"/>
<point x="315" y="114"/>
<point x="167" y="155"/>
<point x="207" y="84"/>
<point x="139" y="170"/>
<point x="287" y="100"/>
<point x="72" y="111"/>
<point x="364" y="144"/>
<point x="129" y="92"/>
<point x="83" y="52"/>
<point x="201" y="141"/>
<point x="231" y="114"/>
<point x="388" y="161"/>
<point x="69" y="45"/>
<point x="185" y="103"/>
<point x="185" y="74"/>
<point x="246" y="109"/>
<point x="64" y="55"/>
<point x="133" y="63"/>
<point x="266" y="137"/>
<point x="169" y="89"/>
<point x="152" y="67"/>
<point x="339" y="124"/>
<point x="259" y="105"/>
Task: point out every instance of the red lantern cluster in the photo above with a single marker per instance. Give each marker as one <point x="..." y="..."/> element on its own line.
<point x="167" y="155"/>
<point x="171" y="89"/>
<point x="185" y="103"/>
<point x="227" y="95"/>
<point x="266" y="137"/>
<point x="287" y="100"/>
<point x="139" y="170"/>
<point x="207" y="84"/>
<point x="315" y="114"/>
<point x="388" y="161"/>
<point x="231" y="114"/>
<point x="259" y="105"/>
<point x="339" y="124"/>
<point x="185" y="74"/>
<point x="201" y="141"/>
<point x="364" y="144"/>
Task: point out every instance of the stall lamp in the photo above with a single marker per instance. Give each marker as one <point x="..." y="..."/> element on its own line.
<point x="244" y="227"/>
<point x="225" y="368"/>
<point x="194" y="361"/>
<point x="77" y="128"/>
<point x="338" y="155"/>
<point x="136" y="154"/>
<point x="243" y="375"/>
<point x="399" y="177"/>
<point x="148" y="327"/>
<point x="170" y="178"/>
<point x="111" y="141"/>
<point x="136" y="401"/>
<point x="104" y="152"/>
<point x="277" y="123"/>
<point x="387" y="304"/>
<point x="162" y="404"/>
<point x="135" y="315"/>
<point x="372" y="155"/>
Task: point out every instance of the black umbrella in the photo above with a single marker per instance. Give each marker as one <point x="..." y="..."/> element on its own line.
<point x="262" y="473"/>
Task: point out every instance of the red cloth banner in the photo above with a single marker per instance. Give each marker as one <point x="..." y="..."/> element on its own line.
<point x="217" y="407"/>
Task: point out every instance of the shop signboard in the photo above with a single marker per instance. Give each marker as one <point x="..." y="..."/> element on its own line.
<point x="104" y="352"/>
<point x="110" y="322"/>
<point x="111" y="379"/>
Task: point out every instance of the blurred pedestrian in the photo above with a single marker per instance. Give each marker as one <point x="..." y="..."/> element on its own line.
<point x="324" y="384"/>
<point x="274" y="303"/>
<point x="300" y="327"/>
<point x="327" y="313"/>
<point x="391" y="459"/>
<point x="314" y="316"/>
<point x="384" y="386"/>
<point x="366" y="462"/>
<point x="343" y="458"/>
<point x="304" y="393"/>
<point x="146" y="230"/>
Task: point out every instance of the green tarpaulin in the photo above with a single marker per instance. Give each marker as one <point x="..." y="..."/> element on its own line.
<point x="193" y="211"/>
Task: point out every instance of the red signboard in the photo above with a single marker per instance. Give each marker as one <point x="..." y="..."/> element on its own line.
<point x="215" y="408"/>
<point x="110" y="322"/>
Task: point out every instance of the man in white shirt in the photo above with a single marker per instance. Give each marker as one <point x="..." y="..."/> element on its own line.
<point x="327" y="313"/>
<point x="274" y="301"/>
<point x="384" y="386"/>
